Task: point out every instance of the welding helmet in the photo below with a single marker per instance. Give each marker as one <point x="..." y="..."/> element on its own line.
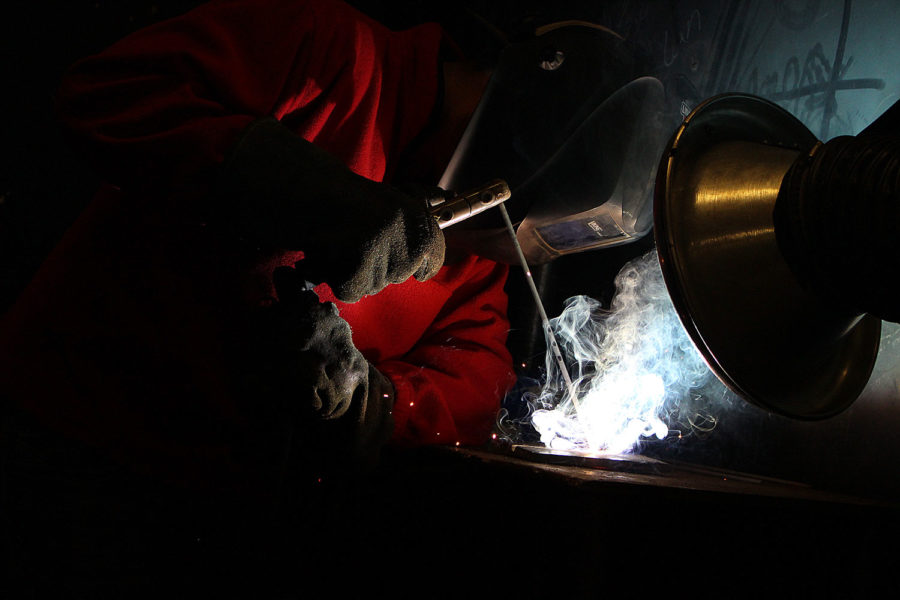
<point x="565" y="121"/>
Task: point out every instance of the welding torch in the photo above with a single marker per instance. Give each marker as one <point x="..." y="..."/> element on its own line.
<point x="459" y="207"/>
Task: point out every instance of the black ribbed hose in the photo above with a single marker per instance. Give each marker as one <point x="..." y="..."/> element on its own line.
<point x="837" y="221"/>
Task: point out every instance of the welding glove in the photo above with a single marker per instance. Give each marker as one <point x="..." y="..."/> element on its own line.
<point x="283" y="193"/>
<point x="302" y="361"/>
<point x="302" y="353"/>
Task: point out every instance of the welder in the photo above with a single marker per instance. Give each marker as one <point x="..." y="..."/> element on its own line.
<point x="245" y="271"/>
<point x="237" y="141"/>
<point x="246" y="299"/>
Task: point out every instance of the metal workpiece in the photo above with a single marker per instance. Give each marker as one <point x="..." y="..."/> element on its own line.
<point x="767" y="336"/>
<point x="468" y="204"/>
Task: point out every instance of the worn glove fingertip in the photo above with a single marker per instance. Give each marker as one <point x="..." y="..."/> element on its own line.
<point x="426" y="271"/>
<point x="431" y="263"/>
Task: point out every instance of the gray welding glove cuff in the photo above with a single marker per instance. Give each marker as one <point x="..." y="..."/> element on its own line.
<point x="284" y="193"/>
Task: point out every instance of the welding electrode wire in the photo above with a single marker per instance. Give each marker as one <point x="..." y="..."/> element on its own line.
<point x="548" y="331"/>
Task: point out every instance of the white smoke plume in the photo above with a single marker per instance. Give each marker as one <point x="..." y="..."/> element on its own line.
<point x="629" y="364"/>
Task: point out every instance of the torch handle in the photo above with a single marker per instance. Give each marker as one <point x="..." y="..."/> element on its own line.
<point x="468" y="204"/>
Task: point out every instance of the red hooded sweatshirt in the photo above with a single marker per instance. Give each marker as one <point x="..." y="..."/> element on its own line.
<point x="119" y="340"/>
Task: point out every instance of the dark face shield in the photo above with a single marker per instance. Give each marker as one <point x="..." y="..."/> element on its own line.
<point x="577" y="138"/>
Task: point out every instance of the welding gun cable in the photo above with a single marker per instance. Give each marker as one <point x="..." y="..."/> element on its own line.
<point x="548" y="330"/>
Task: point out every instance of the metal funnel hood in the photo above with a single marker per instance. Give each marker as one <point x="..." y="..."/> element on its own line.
<point x="762" y="332"/>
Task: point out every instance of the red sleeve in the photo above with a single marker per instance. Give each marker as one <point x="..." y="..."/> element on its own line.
<point x="449" y="386"/>
<point x="165" y="103"/>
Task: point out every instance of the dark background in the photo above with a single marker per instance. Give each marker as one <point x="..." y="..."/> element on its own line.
<point x="430" y="523"/>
